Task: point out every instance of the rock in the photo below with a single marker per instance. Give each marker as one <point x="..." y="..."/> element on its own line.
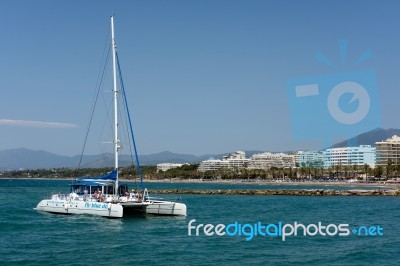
<point x="297" y="192"/>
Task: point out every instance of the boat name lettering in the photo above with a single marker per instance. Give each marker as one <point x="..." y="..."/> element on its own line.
<point x="96" y="205"/>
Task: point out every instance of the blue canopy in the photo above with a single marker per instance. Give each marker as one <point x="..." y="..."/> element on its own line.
<point x="110" y="176"/>
<point x="94" y="182"/>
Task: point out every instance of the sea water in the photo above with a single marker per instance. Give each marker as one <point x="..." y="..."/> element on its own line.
<point x="29" y="237"/>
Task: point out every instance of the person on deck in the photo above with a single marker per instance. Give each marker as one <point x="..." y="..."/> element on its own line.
<point x="134" y="195"/>
<point x="96" y="195"/>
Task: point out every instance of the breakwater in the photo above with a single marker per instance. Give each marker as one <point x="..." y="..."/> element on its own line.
<point x="283" y="192"/>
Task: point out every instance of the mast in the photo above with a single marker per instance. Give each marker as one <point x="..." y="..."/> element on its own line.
<point x="115" y="92"/>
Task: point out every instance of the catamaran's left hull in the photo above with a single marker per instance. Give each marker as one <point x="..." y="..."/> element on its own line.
<point x="158" y="207"/>
<point x="81" y="207"/>
<point x="166" y="208"/>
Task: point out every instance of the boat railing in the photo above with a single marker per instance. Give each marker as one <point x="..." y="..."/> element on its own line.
<point x="146" y="195"/>
<point x="59" y="196"/>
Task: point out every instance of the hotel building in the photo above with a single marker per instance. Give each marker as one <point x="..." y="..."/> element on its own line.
<point x="388" y="151"/>
<point x="267" y="160"/>
<point x="235" y="160"/>
<point x="166" y="166"/>
<point x="363" y="154"/>
<point x="212" y="165"/>
<point x="309" y="159"/>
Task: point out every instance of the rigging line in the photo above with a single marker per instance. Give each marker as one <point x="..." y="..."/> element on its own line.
<point x="106" y="48"/>
<point x="107" y="122"/>
<point x="93" y="108"/>
<point x="130" y="123"/>
<point x="108" y="104"/>
<point x="124" y="123"/>
<point x="96" y="94"/>
<point x="124" y="132"/>
<point x="106" y="131"/>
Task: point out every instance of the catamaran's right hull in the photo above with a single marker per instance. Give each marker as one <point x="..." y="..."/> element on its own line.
<point x="166" y="208"/>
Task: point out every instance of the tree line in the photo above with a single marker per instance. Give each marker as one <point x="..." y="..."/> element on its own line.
<point x="188" y="172"/>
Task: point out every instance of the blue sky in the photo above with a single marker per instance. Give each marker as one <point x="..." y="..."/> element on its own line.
<point x="201" y="76"/>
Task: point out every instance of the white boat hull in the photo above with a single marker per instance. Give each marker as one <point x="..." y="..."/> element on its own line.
<point x="113" y="210"/>
<point x="158" y="207"/>
<point x="166" y="208"/>
<point x="66" y="205"/>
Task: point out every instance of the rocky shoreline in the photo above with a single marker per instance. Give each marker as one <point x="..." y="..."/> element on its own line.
<point x="284" y="192"/>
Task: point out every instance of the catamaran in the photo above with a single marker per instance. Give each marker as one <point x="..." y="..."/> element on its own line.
<point x="104" y="195"/>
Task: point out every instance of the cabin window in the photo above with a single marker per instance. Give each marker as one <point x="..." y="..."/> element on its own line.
<point x="93" y="189"/>
<point x="122" y="189"/>
<point x="109" y="190"/>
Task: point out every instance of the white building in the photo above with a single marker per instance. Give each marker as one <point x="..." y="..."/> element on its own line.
<point x="309" y="158"/>
<point x="235" y="160"/>
<point x="388" y="151"/>
<point x="166" y="166"/>
<point x="212" y="165"/>
<point x="267" y="160"/>
<point x="363" y="154"/>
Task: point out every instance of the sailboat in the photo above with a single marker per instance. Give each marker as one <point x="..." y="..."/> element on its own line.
<point x="104" y="195"/>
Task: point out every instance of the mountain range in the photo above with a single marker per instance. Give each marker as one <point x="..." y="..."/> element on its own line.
<point x="23" y="158"/>
<point x="30" y="159"/>
<point x="369" y="138"/>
